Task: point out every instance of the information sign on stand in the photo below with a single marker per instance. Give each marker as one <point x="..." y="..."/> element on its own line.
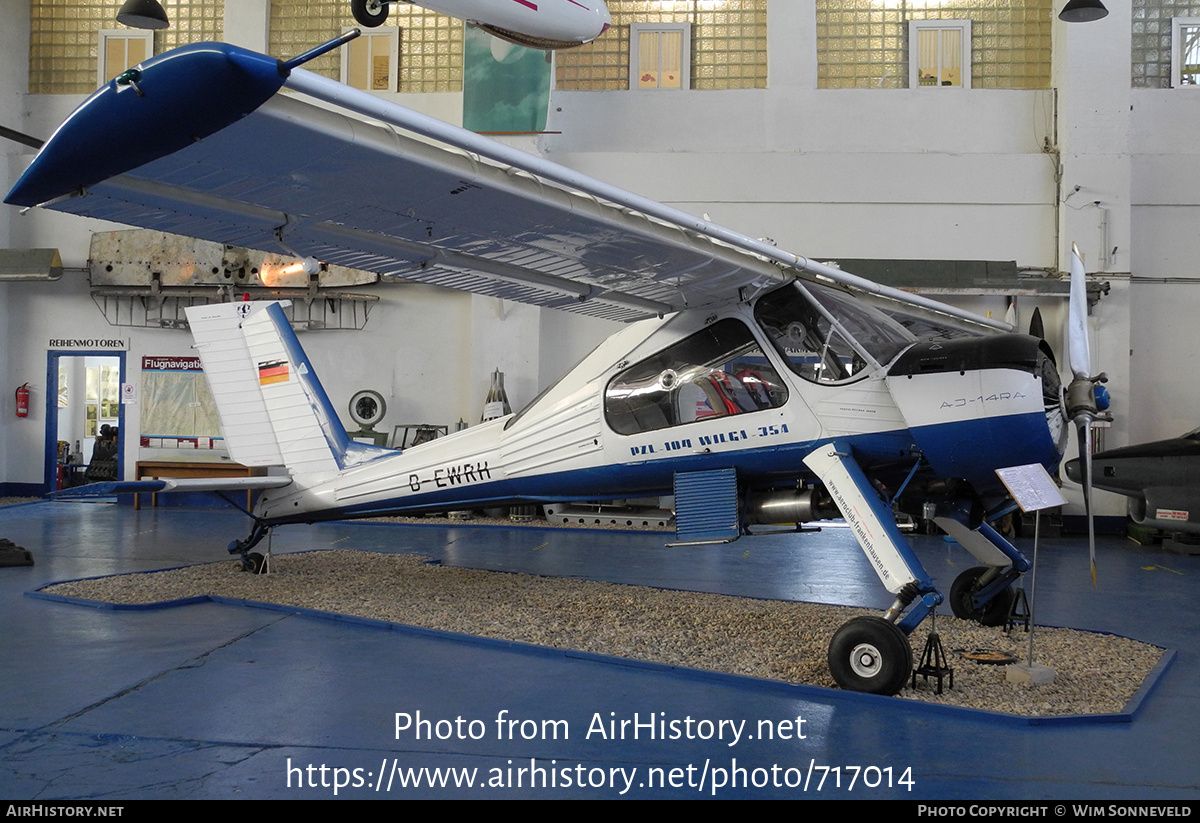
<point x="1033" y="490"/>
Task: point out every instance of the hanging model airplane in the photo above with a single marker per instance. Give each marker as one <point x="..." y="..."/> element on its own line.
<point x="546" y="24"/>
<point x="757" y="386"/>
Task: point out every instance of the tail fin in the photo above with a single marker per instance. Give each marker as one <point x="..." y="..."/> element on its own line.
<point x="273" y="409"/>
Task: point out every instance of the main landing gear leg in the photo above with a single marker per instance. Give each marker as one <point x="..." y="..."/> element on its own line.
<point x="982" y="593"/>
<point x="872" y="654"/>
<point x="253" y="562"/>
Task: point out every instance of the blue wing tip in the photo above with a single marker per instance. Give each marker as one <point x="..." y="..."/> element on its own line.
<point x="164" y="104"/>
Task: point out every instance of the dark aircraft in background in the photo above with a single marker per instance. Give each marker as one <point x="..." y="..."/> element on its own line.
<point x="1161" y="480"/>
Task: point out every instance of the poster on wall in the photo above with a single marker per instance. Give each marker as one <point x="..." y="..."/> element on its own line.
<point x="506" y="87"/>
<point x="177" y="407"/>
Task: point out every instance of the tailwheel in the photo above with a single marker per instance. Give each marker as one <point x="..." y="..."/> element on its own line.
<point x="254" y="562"/>
<point x="869" y="654"/>
<point x="992" y="613"/>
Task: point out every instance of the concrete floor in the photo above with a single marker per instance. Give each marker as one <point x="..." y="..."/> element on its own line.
<point x="230" y="701"/>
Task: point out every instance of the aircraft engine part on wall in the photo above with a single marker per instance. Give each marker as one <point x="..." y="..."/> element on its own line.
<point x="143" y="257"/>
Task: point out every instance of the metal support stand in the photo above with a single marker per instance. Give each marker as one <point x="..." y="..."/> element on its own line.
<point x="933" y="659"/>
<point x="266" y="561"/>
<point x="1019" y="613"/>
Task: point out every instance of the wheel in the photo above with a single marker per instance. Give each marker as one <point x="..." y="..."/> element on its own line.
<point x="369" y="13"/>
<point x="869" y="654"/>
<point x="253" y="563"/>
<point x="992" y="613"/>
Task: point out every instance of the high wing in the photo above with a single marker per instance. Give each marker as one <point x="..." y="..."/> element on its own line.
<point x="200" y="142"/>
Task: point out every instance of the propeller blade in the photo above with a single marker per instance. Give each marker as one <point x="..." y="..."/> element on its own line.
<point x="1035" y="324"/>
<point x="1081" y="392"/>
<point x="1078" y="352"/>
<point x="1085" y="461"/>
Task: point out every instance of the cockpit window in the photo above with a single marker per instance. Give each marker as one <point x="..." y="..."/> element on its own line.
<point x="718" y="371"/>
<point x="817" y="349"/>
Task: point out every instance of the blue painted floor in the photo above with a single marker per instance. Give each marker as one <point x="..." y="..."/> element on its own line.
<point x="228" y="701"/>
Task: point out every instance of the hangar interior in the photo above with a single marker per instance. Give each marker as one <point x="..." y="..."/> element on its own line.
<point x="809" y="122"/>
<point x="1077" y="138"/>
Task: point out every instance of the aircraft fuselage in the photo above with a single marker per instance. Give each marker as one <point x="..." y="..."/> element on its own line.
<point x="704" y="390"/>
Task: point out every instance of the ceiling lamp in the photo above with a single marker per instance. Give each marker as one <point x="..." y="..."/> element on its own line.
<point x="143" y="14"/>
<point x="1082" y="11"/>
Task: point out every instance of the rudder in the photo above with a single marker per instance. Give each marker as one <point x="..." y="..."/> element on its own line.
<point x="273" y="409"/>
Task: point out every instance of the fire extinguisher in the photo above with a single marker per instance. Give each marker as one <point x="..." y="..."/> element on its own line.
<point x="23" y="400"/>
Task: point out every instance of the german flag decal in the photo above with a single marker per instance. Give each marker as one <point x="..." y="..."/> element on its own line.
<point x="273" y="371"/>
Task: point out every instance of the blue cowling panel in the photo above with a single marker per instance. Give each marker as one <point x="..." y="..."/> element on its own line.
<point x="185" y="95"/>
<point x="968" y="449"/>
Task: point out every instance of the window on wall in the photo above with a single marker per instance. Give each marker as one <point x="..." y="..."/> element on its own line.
<point x="432" y="58"/>
<point x="1185" y="52"/>
<point x="1157" y="46"/>
<point x="728" y="45"/>
<point x="867" y="43"/>
<point x="659" y="55"/>
<point x="120" y="49"/>
<point x="102" y="398"/>
<point x="371" y="61"/>
<point x="939" y="53"/>
<point x="66" y="56"/>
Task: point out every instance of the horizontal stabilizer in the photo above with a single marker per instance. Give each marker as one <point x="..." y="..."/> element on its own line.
<point x="173" y="484"/>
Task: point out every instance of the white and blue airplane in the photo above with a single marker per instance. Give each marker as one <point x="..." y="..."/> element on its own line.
<point x="755" y="385"/>
<point x="544" y="24"/>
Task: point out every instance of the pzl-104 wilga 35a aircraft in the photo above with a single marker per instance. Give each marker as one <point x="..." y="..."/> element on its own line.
<point x="757" y="386"/>
<point x="546" y="24"/>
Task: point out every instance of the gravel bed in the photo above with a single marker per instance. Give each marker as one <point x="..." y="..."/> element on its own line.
<point x="778" y="640"/>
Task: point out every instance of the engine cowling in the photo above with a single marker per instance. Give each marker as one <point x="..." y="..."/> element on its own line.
<point x="977" y="404"/>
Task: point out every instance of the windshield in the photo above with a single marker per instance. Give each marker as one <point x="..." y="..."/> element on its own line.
<point x="823" y="351"/>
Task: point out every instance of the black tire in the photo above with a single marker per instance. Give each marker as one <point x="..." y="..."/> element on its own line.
<point x="369" y="13"/>
<point x="869" y="654"/>
<point x="992" y="613"/>
<point x="253" y="563"/>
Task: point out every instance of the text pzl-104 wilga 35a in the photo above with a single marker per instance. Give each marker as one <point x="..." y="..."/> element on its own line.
<point x="756" y="386"/>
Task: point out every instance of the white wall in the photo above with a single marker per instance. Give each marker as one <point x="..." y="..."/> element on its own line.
<point x="1165" y="303"/>
<point x="14" y="81"/>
